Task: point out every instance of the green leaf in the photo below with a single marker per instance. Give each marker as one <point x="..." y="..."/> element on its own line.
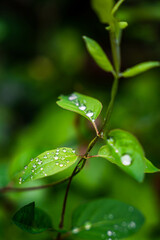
<point x="86" y="106"/>
<point x="48" y="163"/>
<point x="124" y="150"/>
<point x="98" y="54"/>
<point x="31" y="219"/>
<point x="139" y="68"/>
<point x="123" y="25"/>
<point x="103" y="9"/>
<point x="106" y="219"/>
<point x="116" y="6"/>
<point x="150" y="168"/>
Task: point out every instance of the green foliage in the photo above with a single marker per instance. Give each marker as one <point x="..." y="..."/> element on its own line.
<point x="32" y="220"/>
<point x="48" y="163"/>
<point x="150" y="168"/>
<point x="106" y="219"/>
<point x="123" y="149"/>
<point x="88" y="107"/>
<point x="98" y="54"/>
<point x="103" y="9"/>
<point x="140" y="68"/>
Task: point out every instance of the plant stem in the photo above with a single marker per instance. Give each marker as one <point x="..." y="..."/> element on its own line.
<point x="115" y="49"/>
<point x="83" y="160"/>
<point x="116" y="59"/>
<point x="105" y="128"/>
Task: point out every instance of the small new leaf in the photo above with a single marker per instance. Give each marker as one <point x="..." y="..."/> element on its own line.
<point x="32" y="220"/>
<point x="106" y="219"/>
<point x="124" y="150"/>
<point x="98" y="54"/>
<point x="86" y="106"/>
<point x="139" y="68"/>
<point x="48" y="163"/>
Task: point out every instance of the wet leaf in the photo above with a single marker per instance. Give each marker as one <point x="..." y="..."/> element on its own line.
<point x="98" y="54"/>
<point x="124" y="150"/>
<point x="48" y="163"/>
<point x="106" y="219"/>
<point x="86" y="106"/>
<point x="139" y="68"/>
<point x="31" y="219"/>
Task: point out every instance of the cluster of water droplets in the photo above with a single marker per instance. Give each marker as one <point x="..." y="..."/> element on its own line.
<point x="81" y="106"/>
<point x="59" y="158"/>
<point x="126" y="159"/>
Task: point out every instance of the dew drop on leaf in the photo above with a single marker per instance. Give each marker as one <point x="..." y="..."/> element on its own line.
<point x="82" y="107"/>
<point x="89" y="114"/>
<point x="72" y="97"/>
<point x="87" y="226"/>
<point x="126" y="160"/>
<point x="75" y="230"/>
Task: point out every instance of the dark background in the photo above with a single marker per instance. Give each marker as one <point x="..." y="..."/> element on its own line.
<point x="42" y="55"/>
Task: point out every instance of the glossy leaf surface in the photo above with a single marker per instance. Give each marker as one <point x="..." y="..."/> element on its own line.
<point x="48" y="163"/>
<point x="140" y="68"/>
<point x="31" y="219"/>
<point x="106" y="219"/>
<point x="124" y="150"/>
<point x="86" y="106"/>
<point x="98" y="54"/>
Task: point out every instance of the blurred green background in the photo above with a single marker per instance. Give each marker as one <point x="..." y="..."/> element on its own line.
<point x="42" y="55"/>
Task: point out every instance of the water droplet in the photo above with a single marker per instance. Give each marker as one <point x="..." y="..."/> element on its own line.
<point x="126" y="160"/>
<point x="57" y="163"/>
<point x="37" y="160"/>
<point x="77" y="103"/>
<point x="73" y="151"/>
<point x="32" y="170"/>
<point x="132" y="224"/>
<point x="31" y="176"/>
<point x="45" y="174"/>
<point x="31" y="159"/>
<point x="41" y="168"/>
<point x="57" y="153"/>
<point x="75" y="230"/>
<point x="89" y="114"/>
<point x="109" y="233"/>
<point x="110" y="216"/>
<point x="131" y="209"/>
<point x="25" y="167"/>
<point x="82" y="107"/>
<point x="55" y="158"/>
<point x="116" y="151"/>
<point x="67" y="161"/>
<point x="40" y="162"/>
<point x="64" y="150"/>
<point x="87" y="225"/>
<point x="45" y="156"/>
<point x="34" y="165"/>
<point x="61" y="165"/>
<point x="110" y="140"/>
<point x="20" y="179"/>
<point x="72" y="97"/>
